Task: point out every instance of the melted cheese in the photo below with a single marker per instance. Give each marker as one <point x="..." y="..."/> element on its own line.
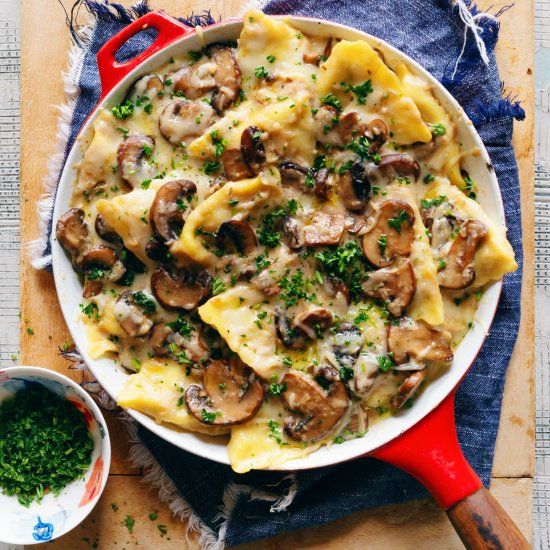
<point x="495" y="256"/>
<point x="356" y="62"/>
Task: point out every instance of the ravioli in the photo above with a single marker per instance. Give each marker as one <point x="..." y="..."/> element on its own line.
<point x="268" y="304"/>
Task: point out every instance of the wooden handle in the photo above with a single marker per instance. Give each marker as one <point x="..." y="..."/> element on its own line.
<point x="482" y="524"/>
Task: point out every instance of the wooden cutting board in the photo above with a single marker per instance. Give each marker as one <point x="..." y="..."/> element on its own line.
<point x="45" y="46"/>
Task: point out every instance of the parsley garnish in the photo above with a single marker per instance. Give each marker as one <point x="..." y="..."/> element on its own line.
<point x="276" y="389"/>
<point x="439" y="130"/>
<point x="208" y="416"/>
<point x="332" y="100"/>
<point x="260" y="72"/>
<point x="129" y="521"/>
<point x="428" y="203"/>
<point x="397" y="222"/>
<point x="219" y="142"/>
<point x="346" y="374"/>
<point x="194" y="56"/>
<point x="361" y="91"/>
<point x="268" y="235"/>
<point x="271" y="58"/>
<point x="384" y="363"/>
<point x="144" y="302"/>
<point x="382" y="243"/>
<point x="428" y="178"/>
<point x="182" y="326"/>
<point x="124" y="110"/>
<point x="218" y="286"/>
<point x="211" y="167"/>
<point x="276" y="432"/>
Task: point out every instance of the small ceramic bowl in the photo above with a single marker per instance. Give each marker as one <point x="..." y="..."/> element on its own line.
<point x="56" y="515"/>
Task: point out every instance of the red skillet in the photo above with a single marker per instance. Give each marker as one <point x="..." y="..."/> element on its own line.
<point x="429" y="450"/>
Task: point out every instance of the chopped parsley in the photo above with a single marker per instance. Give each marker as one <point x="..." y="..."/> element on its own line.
<point x="129" y="521"/>
<point x="396" y="223"/>
<point x="210" y="167"/>
<point x="441" y="264"/>
<point x="95" y="273"/>
<point x="182" y="326"/>
<point x="44" y="444"/>
<point x="268" y="234"/>
<point x="428" y="203"/>
<point x="382" y="243"/>
<point x="294" y="288"/>
<point x="260" y="72"/>
<point x="271" y="58"/>
<point x="276" y="389"/>
<point x="362" y="316"/>
<point x="428" y="178"/>
<point x="124" y="110"/>
<point x="361" y="91"/>
<point x="144" y="302"/>
<point x="218" y="286"/>
<point x="145" y="184"/>
<point x="469" y="186"/>
<point x="194" y="55"/>
<point x="332" y="101"/>
<point x="208" y="416"/>
<point x="384" y="363"/>
<point x="439" y="130"/>
<point x="346" y="374"/>
<point x="219" y="142"/>
<point x="90" y="310"/>
<point x="276" y="432"/>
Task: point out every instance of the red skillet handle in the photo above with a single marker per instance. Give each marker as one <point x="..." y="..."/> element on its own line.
<point x="111" y="72"/>
<point x="431" y="453"/>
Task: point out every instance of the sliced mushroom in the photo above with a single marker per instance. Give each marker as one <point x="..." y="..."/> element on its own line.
<point x="92" y="288"/>
<point x="239" y="234"/>
<point x="354" y="188"/>
<point x="72" y="231"/>
<point x="162" y="336"/>
<point x="103" y="258"/>
<point x="182" y="120"/>
<point x="232" y="394"/>
<point x="351" y="126"/>
<point x="335" y="286"/>
<point x="312" y="321"/>
<point x="227" y="76"/>
<point x="170" y="208"/>
<point x="148" y="85"/>
<point x="321" y="187"/>
<point x="315" y="411"/>
<point x="105" y="231"/>
<point x="131" y="317"/>
<point x="390" y="233"/>
<point x="235" y="166"/>
<point x="156" y="250"/>
<point x="253" y="149"/>
<point x="180" y="289"/>
<point x="346" y="344"/>
<point x="459" y="270"/>
<point x="408" y="388"/>
<point x="402" y="164"/>
<point x="325" y="228"/>
<point x="377" y="132"/>
<point x="355" y="223"/>
<point x="395" y="286"/>
<point x="133" y="156"/>
<point x="287" y="334"/>
<point x="195" y="80"/>
<point x="293" y="233"/>
<point x="418" y="341"/>
<point x="293" y="174"/>
<point x="326" y="126"/>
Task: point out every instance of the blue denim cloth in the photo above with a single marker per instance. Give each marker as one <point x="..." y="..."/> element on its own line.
<point x="431" y="32"/>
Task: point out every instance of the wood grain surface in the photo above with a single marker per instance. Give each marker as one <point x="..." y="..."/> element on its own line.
<point x="45" y="43"/>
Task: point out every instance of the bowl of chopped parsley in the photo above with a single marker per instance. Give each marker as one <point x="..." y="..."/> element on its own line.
<point x="55" y="454"/>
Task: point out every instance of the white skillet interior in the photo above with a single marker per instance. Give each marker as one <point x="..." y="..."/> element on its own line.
<point x="112" y="377"/>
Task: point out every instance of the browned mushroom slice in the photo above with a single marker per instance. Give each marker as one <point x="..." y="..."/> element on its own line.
<point x="390" y="233"/>
<point x="315" y="410"/>
<point x="459" y="269"/>
<point x="293" y="233"/>
<point x="181" y="120"/>
<point x="237" y="233"/>
<point x="287" y="334"/>
<point x="104" y="261"/>
<point x="324" y="229"/>
<point x="105" y="231"/>
<point x="355" y="223"/>
<point x="180" y="289"/>
<point x="72" y="231"/>
<point x="162" y="337"/>
<point x="195" y="80"/>
<point x="92" y="288"/>
<point x="293" y="174"/>
<point x="170" y="208"/>
<point x="313" y="321"/>
<point x="336" y="286"/>
<point x="346" y="343"/>
<point x="351" y="126"/>
<point x="402" y="164"/>
<point x="232" y="394"/>
<point x="321" y="187"/>
<point x="133" y="155"/>
<point x="227" y="76"/>
<point x="408" y="388"/>
<point x="377" y="132"/>
<point x="418" y="341"/>
<point x="156" y="250"/>
<point x="131" y="317"/>
<point x="325" y="124"/>
<point x="235" y="166"/>
<point x="394" y="285"/>
<point x="354" y="188"/>
<point x="148" y="85"/>
<point x="253" y="149"/>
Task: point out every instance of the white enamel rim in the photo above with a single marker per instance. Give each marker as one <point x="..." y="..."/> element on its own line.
<point x="111" y="377"/>
<point x="77" y="515"/>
